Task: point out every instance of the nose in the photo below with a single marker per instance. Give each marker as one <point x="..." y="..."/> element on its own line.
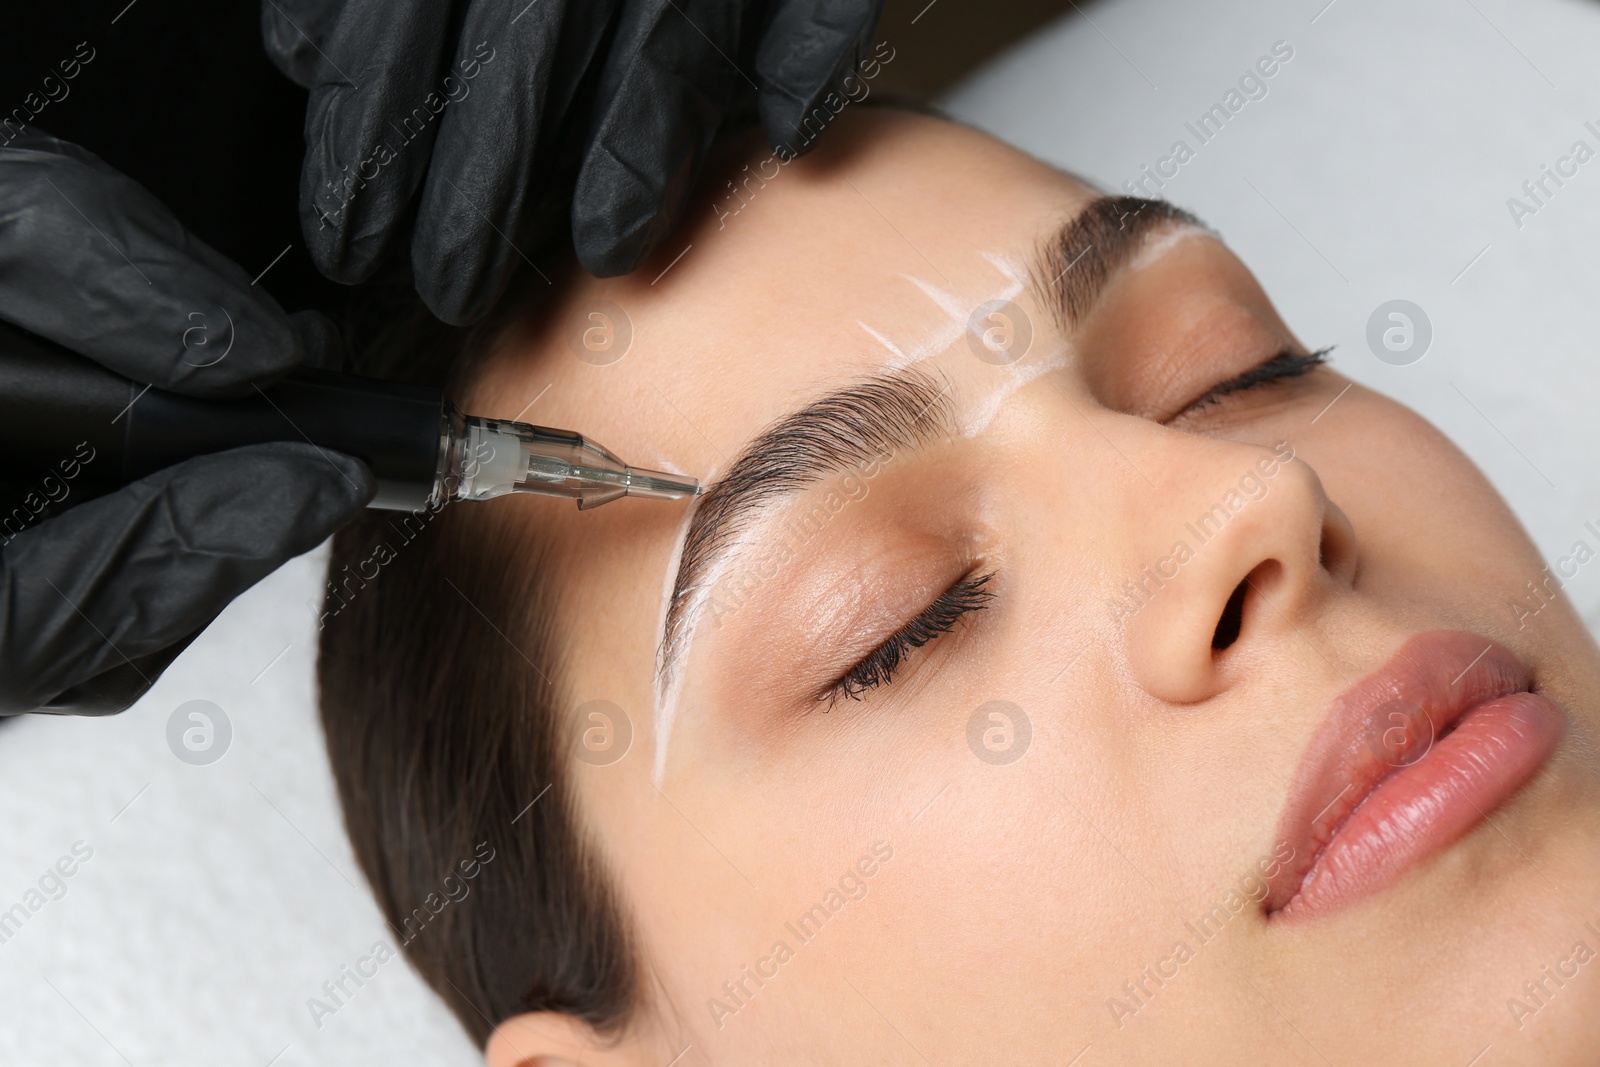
<point x="1249" y="546"/>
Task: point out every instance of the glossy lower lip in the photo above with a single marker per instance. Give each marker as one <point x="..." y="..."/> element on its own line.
<point x="1409" y="759"/>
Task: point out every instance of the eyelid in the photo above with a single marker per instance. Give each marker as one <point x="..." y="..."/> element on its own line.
<point x="1281" y="367"/>
<point x="941" y="616"/>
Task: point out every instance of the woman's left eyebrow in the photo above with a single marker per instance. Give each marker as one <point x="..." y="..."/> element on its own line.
<point x="1073" y="264"/>
<point x="863" y="423"/>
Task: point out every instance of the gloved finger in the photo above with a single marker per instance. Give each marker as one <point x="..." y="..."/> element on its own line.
<point x="119" y="686"/>
<point x="322" y="341"/>
<point x="125" y="576"/>
<point x="370" y="128"/>
<point x="293" y="32"/>
<point x="668" y="82"/>
<point x="89" y="259"/>
<point x="511" y="85"/>
<point x="806" y="51"/>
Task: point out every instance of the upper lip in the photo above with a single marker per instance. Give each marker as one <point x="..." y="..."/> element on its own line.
<point x="1360" y="742"/>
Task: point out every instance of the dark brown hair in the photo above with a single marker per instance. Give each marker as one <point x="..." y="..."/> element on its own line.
<point x="442" y="705"/>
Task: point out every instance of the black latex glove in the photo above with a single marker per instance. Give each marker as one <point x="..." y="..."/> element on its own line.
<point x="633" y="90"/>
<point x="96" y="602"/>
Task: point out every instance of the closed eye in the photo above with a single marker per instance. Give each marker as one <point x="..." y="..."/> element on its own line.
<point x="1283" y="366"/>
<point x="878" y="667"/>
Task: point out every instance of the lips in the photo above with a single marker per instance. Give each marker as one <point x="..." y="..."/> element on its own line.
<point x="1408" y="760"/>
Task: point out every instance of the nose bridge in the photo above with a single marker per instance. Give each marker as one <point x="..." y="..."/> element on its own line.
<point x="1241" y="542"/>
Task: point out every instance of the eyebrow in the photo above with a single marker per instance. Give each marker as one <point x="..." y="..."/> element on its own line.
<point x="1071" y="266"/>
<point x="901" y="411"/>
<point x="866" y="422"/>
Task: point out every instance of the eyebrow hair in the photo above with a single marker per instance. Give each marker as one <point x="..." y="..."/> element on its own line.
<point x="865" y="422"/>
<point x="1072" y="265"/>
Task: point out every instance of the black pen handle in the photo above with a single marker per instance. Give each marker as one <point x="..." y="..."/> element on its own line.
<point x="61" y="412"/>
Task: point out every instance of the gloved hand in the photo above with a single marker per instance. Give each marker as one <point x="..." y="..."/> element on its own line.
<point x="487" y="107"/>
<point x="97" y="601"/>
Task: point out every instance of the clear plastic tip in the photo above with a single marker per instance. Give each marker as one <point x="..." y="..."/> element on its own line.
<point x="486" y="458"/>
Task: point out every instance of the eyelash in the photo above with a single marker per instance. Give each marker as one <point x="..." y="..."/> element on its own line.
<point x="940" y="617"/>
<point x="1281" y="367"/>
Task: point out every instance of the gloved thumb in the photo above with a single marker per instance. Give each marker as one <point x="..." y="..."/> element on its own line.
<point x="112" y="583"/>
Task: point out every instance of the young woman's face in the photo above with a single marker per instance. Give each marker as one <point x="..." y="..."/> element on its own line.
<point x="1022" y="699"/>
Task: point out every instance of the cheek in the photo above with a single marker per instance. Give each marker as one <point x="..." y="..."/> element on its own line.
<point x="1437" y="540"/>
<point x="1002" y="882"/>
<point x="1424" y="515"/>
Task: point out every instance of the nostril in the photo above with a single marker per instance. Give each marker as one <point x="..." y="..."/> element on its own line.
<point x="1336" y="551"/>
<point x="1228" y="626"/>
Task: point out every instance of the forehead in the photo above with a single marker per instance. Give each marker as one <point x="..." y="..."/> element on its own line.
<point x="873" y="248"/>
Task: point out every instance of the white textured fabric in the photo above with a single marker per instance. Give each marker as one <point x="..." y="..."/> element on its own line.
<point x="219" y="898"/>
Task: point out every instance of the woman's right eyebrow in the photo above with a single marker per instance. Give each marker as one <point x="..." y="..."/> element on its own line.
<point x="862" y="424"/>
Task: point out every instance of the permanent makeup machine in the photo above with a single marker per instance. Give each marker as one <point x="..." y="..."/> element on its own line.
<point x="55" y="403"/>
